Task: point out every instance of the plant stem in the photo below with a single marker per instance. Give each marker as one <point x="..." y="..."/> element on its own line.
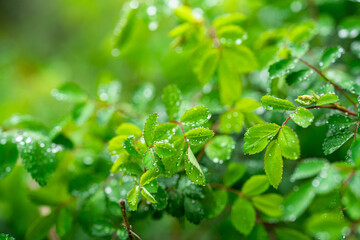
<point x="228" y="189"/>
<point x="125" y="219"/>
<point x="328" y="80"/>
<point x="335" y="108"/>
<point x="182" y="130"/>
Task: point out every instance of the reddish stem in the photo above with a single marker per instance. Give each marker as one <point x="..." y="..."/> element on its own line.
<point x="328" y="80"/>
<point x="335" y="108"/>
<point x="182" y="130"/>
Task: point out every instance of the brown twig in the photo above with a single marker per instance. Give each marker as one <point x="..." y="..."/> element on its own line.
<point x="328" y="80"/>
<point x="125" y="219"/>
<point x="335" y="108"/>
<point x="228" y="189"/>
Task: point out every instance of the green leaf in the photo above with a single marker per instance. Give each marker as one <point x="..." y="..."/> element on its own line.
<point x="152" y="186"/>
<point x="164" y="149"/>
<point x="122" y="159"/>
<point x="340" y="122"/>
<point x="171" y="98"/>
<point x="108" y="89"/>
<point x="133" y="197"/>
<point x="129" y="129"/>
<point x="298" y="201"/>
<point x="204" y="61"/>
<point x="287" y="233"/>
<point x="124" y="29"/>
<point x="194" y="212"/>
<point x="273" y="163"/>
<point x="231" y="121"/>
<point x="240" y="58"/>
<point x="227" y="19"/>
<point x="329" y="179"/>
<point x="216" y="203"/>
<point x="355" y="152"/>
<point x="82" y="112"/>
<point x="8" y="155"/>
<point x="161" y="198"/>
<point x="327" y="99"/>
<point x="193" y="170"/>
<point x="330" y="224"/>
<point x="199" y="136"/>
<point x="148" y="195"/>
<point x="351" y="204"/>
<point x="231" y="35"/>
<point x="308" y="168"/>
<point x="255" y="185"/>
<point x="38" y="156"/>
<point x="298" y="76"/>
<point x="4" y="236"/>
<point x="69" y="92"/>
<point x="333" y="143"/>
<point x="281" y="68"/>
<point x="116" y="144"/>
<point x="258" y="137"/>
<point x="63" y="222"/>
<point x="149" y="129"/>
<point x="148" y="176"/>
<point x="196" y="116"/>
<point x="270" y="204"/>
<point x="330" y="56"/>
<point x="185" y="13"/>
<point x="258" y="233"/>
<point x="104" y="115"/>
<point x="40" y="227"/>
<point x="302" y="117"/>
<point x="164" y="131"/>
<point x="234" y="173"/>
<point x="243" y="216"/>
<point x="131" y="168"/>
<point x="219" y="149"/>
<point x="180" y="30"/>
<point x="274" y="103"/>
<point x="230" y="83"/>
<point x="289" y="143"/>
<point x="129" y="145"/>
<point x="247" y="105"/>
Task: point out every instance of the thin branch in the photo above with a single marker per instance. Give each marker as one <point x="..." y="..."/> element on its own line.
<point x="137" y="236"/>
<point x="182" y="130"/>
<point x="335" y="108"/>
<point x="125" y="219"/>
<point x="228" y="189"/>
<point x="328" y="80"/>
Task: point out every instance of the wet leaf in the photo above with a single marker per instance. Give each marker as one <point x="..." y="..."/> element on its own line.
<point x="193" y="170"/>
<point x="219" y="149"/>
<point x="243" y="216"/>
<point x="196" y="116"/>
<point x="330" y="56"/>
<point x="327" y="99"/>
<point x="171" y="98"/>
<point x="289" y="143"/>
<point x="273" y="163"/>
<point x="281" y="68"/>
<point x="308" y="168"/>
<point x="277" y="104"/>
<point x="333" y="143"/>
<point x="270" y="204"/>
<point x="255" y="185"/>
<point x="133" y="197"/>
<point x="258" y="137"/>
<point x="199" y="136"/>
<point x="149" y="129"/>
<point x="302" y="117"/>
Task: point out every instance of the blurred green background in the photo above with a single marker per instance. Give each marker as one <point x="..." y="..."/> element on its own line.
<point x="46" y="43"/>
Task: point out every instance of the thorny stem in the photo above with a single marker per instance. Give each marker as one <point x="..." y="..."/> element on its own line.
<point x="228" y="189"/>
<point x="328" y="80"/>
<point x="125" y="219"/>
